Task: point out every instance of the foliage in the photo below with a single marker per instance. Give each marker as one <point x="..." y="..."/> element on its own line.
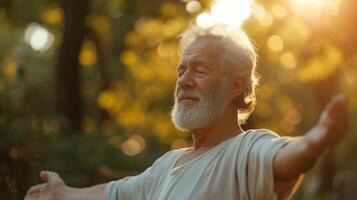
<point x="127" y="69"/>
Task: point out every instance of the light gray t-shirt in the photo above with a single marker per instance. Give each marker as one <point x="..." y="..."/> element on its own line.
<point x="238" y="168"/>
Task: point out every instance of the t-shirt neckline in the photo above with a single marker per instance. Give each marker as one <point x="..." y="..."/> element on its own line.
<point x="173" y="169"/>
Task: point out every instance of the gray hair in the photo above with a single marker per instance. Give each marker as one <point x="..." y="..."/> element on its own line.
<point x="238" y="59"/>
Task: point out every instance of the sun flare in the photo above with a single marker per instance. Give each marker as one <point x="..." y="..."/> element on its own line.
<point x="231" y="12"/>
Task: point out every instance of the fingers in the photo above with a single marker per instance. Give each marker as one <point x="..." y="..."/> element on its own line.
<point x="44" y="175"/>
<point x="337" y="103"/>
<point x="36" y="188"/>
<point x="34" y="193"/>
<point x="340" y="99"/>
<point x="335" y="116"/>
<point x="49" y="176"/>
<point x="51" y="180"/>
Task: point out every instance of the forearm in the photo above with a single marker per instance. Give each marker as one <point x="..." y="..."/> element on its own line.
<point x="96" y="192"/>
<point x="299" y="155"/>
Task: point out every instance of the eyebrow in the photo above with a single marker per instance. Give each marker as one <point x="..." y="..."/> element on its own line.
<point x="194" y="63"/>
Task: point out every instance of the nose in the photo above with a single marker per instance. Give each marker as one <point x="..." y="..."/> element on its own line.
<point x="186" y="81"/>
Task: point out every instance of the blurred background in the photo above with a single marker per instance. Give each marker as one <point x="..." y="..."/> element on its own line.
<point x="86" y="86"/>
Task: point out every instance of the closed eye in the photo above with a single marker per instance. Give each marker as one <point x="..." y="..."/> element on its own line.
<point x="180" y="70"/>
<point x="180" y="73"/>
<point x="201" y="72"/>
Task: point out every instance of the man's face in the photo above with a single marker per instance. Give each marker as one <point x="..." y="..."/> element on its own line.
<point x="201" y="91"/>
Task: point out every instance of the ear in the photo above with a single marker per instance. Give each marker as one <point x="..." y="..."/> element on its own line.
<point x="236" y="88"/>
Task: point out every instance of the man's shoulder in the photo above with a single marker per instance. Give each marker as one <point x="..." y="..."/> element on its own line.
<point x="256" y="133"/>
<point x="173" y="153"/>
<point x="169" y="157"/>
<point x="253" y="135"/>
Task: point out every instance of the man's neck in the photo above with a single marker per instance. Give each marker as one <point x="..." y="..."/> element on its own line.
<point x="225" y="127"/>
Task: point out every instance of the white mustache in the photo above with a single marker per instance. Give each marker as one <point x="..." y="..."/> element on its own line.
<point x="184" y="94"/>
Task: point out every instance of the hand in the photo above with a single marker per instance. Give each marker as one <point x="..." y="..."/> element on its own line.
<point x="333" y="123"/>
<point x="52" y="188"/>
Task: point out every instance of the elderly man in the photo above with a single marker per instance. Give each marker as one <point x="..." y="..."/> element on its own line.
<point x="215" y="93"/>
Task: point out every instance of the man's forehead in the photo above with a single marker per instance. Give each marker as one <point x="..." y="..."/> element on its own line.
<point x="204" y="46"/>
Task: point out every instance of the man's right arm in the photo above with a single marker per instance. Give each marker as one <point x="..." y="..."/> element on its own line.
<point x="301" y="153"/>
<point x="55" y="188"/>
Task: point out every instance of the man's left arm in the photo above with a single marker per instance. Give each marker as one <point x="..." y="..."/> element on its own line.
<point x="300" y="154"/>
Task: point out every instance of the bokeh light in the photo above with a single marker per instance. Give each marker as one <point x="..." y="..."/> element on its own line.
<point x="88" y="54"/>
<point x="134" y="145"/>
<point x="193" y="6"/>
<point x="288" y="60"/>
<point x="10" y="68"/>
<point x="275" y="43"/>
<point x="38" y="37"/>
<point x="279" y="11"/>
<point x="53" y="16"/>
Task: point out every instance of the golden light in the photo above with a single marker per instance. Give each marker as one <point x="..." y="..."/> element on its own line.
<point x="288" y="60"/>
<point x="129" y="58"/>
<point x="39" y="38"/>
<point x="322" y="66"/>
<point x="279" y="11"/>
<point x="275" y="43"/>
<point x="266" y="20"/>
<point x="263" y="17"/>
<point x="230" y="12"/>
<point x="10" y="68"/>
<point x="88" y="54"/>
<point x="165" y="50"/>
<point x="193" y="6"/>
<point x="53" y="16"/>
<point x="311" y="2"/>
<point x="329" y="7"/>
<point x="107" y="100"/>
<point x="134" y="145"/>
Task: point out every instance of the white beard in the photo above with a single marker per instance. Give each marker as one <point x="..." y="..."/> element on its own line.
<point x="202" y="113"/>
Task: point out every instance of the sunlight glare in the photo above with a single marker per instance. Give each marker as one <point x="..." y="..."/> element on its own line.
<point x="204" y="20"/>
<point x="261" y="14"/>
<point x="231" y="12"/>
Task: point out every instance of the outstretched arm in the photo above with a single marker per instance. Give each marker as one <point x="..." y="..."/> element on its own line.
<point x="301" y="153"/>
<point x="55" y="188"/>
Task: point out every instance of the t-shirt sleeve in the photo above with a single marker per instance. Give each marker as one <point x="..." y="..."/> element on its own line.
<point x="264" y="145"/>
<point x="140" y="186"/>
<point x="132" y="187"/>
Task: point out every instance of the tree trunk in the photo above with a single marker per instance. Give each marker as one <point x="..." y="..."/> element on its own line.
<point x="68" y="81"/>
